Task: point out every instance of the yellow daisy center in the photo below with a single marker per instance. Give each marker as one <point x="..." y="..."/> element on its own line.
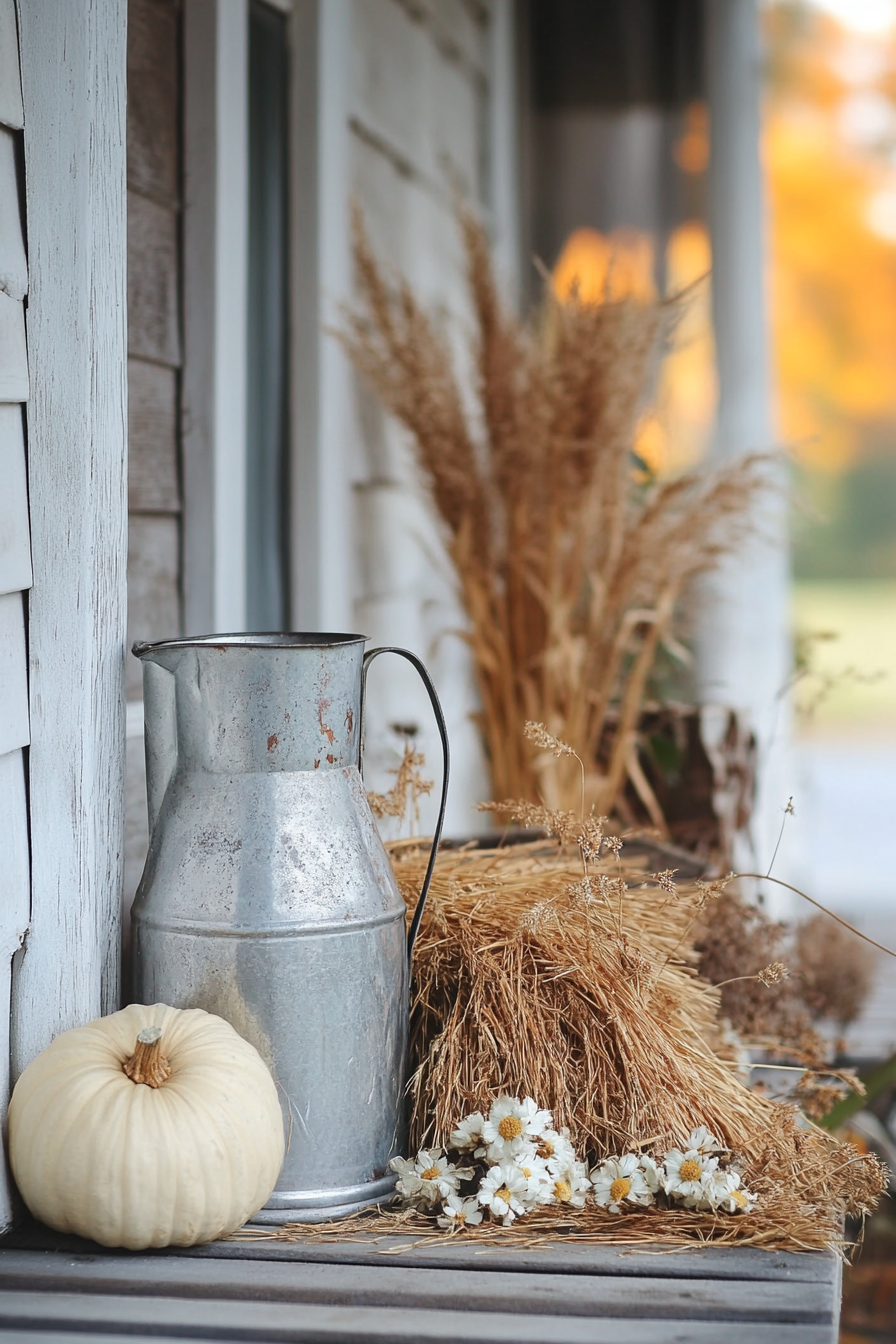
<point x="503" y="1193"/>
<point x="620" y="1188"/>
<point x="739" y="1198"/>
<point x="526" y="1172"/>
<point x="690" y="1170"/>
<point x="545" y="1149"/>
<point x="430" y="1174"/>
<point x="510" y="1127"/>
<point x="562" y="1190"/>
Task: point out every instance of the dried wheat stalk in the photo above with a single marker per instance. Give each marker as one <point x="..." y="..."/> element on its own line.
<point x="569" y="564"/>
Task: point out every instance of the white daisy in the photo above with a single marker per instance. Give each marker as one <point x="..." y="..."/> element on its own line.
<point x="685" y="1172"/>
<point x="715" y="1186"/>
<point x="469" y="1132"/>
<point x="570" y="1185"/>
<point x="620" y="1180"/>
<point x="535" y="1170"/>
<point x="653" y="1173"/>
<point x="428" y="1180"/>
<point x="505" y="1193"/>
<point x="728" y="1195"/>
<point x="511" y="1124"/>
<point x="457" y="1213"/>
<point x="740" y="1200"/>
<point x="555" y="1148"/>
<point x="704" y="1142"/>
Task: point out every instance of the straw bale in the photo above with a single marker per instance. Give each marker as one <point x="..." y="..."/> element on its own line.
<point x="583" y="993"/>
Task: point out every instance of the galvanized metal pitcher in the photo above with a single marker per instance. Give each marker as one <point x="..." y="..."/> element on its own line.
<point x="267" y="896"/>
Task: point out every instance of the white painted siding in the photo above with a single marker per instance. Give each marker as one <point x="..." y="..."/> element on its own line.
<point x="425" y="122"/>
<point x="15" y="553"/>
<point x="73" y="86"/>
<point x="394" y="106"/>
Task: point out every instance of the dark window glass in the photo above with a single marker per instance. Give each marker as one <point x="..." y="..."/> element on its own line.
<point x="267" y="494"/>
<point x="610" y="85"/>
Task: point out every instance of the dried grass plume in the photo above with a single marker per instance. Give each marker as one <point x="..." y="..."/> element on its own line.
<point x="569" y="559"/>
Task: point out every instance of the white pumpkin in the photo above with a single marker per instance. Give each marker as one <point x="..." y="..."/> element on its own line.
<point x="151" y="1127"/>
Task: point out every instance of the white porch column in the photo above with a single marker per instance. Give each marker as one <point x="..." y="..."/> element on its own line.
<point x="73" y="59"/>
<point x="744" y="653"/>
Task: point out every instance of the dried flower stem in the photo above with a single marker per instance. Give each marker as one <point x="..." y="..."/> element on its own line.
<point x="788" y="812"/>
<point x="764" y="877"/>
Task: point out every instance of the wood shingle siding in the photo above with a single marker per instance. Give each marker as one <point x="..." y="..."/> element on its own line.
<point x="15" y="550"/>
<point x="10" y="83"/>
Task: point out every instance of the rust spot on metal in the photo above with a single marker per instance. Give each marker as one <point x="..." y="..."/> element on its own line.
<point x="330" y="758"/>
<point x="327" y="732"/>
<point x="273" y="741"/>
<point x="350" y="720"/>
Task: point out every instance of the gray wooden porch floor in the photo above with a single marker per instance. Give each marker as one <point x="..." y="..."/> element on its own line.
<point x="59" y="1290"/>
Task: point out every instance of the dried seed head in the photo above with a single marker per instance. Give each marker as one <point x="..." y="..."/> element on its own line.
<point x="664" y="881"/>
<point x="408" y="789"/>
<point x="590" y="836"/>
<point x="632" y="960"/>
<point x="537" y="733"/>
<point x="538" y="917"/>
<point x="613" y="844"/>
<point x="582" y="893"/>
<point x="563" y="825"/>
<point x="710" y="891"/>
<point x="773" y="974"/>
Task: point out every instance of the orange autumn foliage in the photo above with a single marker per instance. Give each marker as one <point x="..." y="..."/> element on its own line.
<point x="833" y="240"/>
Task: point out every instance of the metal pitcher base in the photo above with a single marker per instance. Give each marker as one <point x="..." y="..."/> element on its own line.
<point x="320" y="1206"/>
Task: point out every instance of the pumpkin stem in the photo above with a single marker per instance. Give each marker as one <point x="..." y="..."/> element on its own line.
<point x="147" y="1064"/>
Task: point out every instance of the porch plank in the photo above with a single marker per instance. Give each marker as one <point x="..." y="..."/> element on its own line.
<point x="130" y="1317"/>
<point x="728" y="1262"/>
<point x="708" y="1262"/>
<point x="390" y="1285"/>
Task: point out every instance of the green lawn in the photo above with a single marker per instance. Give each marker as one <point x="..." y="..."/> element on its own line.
<point x="853" y="675"/>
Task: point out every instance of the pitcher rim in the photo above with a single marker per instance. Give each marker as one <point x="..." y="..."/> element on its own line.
<point x="302" y="639"/>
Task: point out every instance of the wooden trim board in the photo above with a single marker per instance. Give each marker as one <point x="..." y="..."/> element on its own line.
<point x="73" y="84"/>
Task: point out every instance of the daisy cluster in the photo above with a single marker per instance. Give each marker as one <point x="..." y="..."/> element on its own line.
<point x="513" y="1161"/>
<point x="699" y="1175"/>
<point x="503" y="1165"/>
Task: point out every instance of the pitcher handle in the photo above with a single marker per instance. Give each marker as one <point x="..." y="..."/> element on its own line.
<point x="446" y="759"/>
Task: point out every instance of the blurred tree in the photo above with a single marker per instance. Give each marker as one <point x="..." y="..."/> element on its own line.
<point x="830" y="152"/>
